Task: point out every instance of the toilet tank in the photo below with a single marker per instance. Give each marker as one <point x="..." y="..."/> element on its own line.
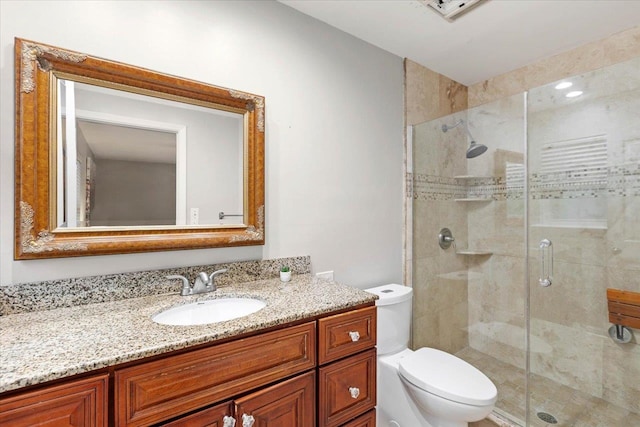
<point x="394" y="317"/>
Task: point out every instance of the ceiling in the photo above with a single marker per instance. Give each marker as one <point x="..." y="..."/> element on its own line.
<point x="492" y="38"/>
<point x="114" y="142"/>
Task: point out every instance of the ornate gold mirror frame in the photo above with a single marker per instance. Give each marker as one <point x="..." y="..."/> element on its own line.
<point x="36" y="235"/>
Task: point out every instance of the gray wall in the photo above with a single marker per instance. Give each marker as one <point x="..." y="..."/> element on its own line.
<point x="334" y="124"/>
<point x="134" y="193"/>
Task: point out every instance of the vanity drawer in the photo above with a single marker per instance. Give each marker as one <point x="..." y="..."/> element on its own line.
<point x="347" y="389"/>
<point x="156" y="391"/>
<point x="345" y="334"/>
<point x="366" y="420"/>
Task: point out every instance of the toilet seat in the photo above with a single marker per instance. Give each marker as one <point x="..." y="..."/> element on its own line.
<point x="447" y="376"/>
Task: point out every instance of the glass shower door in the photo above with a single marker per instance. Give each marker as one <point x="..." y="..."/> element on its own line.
<point x="469" y="296"/>
<point x="583" y="237"/>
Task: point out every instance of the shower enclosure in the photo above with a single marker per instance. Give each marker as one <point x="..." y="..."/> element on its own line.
<point x="542" y="223"/>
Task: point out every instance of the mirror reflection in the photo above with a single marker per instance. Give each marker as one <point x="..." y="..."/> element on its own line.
<point x="133" y="160"/>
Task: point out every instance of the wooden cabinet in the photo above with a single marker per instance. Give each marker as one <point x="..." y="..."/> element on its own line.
<point x="162" y="389"/>
<point x="347" y="375"/>
<point x="319" y="373"/>
<point x="75" y="403"/>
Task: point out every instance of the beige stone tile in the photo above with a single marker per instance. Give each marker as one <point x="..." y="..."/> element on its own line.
<point x="426" y="146"/>
<point x="453" y="328"/>
<point x="614" y="49"/>
<point x="619" y="277"/>
<point x="621" y="374"/>
<point x="577" y="297"/>
<point x="453" y="95"/>
<point x="424" y="280"/>
<point x="575" y="359"/>
<point x="572" y="245"/>
<point x="429" y="95"/>
<point x="483" y="423"/>
<point x="427" y="223"/>
<point x="422" y="93"/>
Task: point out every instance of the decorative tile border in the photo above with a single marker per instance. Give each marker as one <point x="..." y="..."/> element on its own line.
<point x="432" y="187"/>
<point x="618" y="181"/>
<point x="38" y="296"/>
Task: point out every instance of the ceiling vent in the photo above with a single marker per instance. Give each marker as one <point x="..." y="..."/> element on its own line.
<point x="450" y="9"/>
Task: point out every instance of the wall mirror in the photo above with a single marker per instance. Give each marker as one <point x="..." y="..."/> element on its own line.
<point x="112" y="158"/>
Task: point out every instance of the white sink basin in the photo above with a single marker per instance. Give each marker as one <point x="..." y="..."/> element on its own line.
<point x="211" y="311"/>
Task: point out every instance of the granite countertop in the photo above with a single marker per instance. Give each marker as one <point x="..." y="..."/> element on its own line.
<point x="46" y="345"/>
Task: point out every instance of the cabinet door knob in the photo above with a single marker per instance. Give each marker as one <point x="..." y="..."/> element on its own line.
<point x="355" y="336"/>
<point x="247" y="420"/>
<point x="228" y="421"/>
<point x="354" y="391"/>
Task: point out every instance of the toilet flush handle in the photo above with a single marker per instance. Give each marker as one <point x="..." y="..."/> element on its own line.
<point x="355" y="336"/>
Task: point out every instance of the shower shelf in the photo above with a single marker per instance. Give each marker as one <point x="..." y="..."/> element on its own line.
<point x="473" y="199"/>
<point x="462" y="177"/>
<point x="473" y="253"/>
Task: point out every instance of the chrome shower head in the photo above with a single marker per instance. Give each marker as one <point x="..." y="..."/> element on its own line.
<point x="474" y="149"/>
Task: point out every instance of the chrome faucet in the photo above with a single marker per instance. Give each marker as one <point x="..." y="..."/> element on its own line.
<point x="204" y="283"/>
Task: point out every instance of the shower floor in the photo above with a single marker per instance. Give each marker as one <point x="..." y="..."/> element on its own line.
<point x="570" y="407"/>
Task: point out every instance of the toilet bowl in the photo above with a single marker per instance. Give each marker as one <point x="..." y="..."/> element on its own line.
<point x="426" y="387"/>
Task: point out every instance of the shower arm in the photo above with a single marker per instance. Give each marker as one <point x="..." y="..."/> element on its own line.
<point x="446" y="128"/>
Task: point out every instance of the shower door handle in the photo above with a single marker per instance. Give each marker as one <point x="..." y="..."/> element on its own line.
<point x="546" y="263"/>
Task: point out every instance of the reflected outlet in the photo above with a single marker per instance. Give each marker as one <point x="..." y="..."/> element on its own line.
<point x="194" y="217"/>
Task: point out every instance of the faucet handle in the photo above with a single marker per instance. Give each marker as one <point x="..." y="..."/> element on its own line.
<point x="186" y="287"/>
<point x="217" y="272"/>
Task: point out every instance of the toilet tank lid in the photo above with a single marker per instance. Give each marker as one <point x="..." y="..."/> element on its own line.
<point x="391" y="293"/>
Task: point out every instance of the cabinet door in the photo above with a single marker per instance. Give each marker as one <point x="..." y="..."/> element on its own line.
<point x="287" y="404"/>
<point x="347" y="388"/>
<point x="211" y="417"/>
<point x="76" y="403"/>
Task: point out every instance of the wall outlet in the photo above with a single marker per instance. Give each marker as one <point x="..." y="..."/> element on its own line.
<point x="326" y="275"/>
<point x="194" y="216"/>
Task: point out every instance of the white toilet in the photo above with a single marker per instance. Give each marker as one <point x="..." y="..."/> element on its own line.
<point x="426" y="387"/>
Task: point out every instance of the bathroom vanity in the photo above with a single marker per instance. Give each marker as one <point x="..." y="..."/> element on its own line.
<point x="307" y="359"/>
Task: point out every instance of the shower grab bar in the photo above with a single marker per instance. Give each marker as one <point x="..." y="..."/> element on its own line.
<point x="546" y="268"/>
<point x="222" y="215"/>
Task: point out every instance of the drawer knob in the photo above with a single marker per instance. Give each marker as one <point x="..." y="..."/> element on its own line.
<point x="354" y="391"/>
<point x="355" y="336"/>
<point x="247" y="420"/>
<point x="228" y="421"/>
